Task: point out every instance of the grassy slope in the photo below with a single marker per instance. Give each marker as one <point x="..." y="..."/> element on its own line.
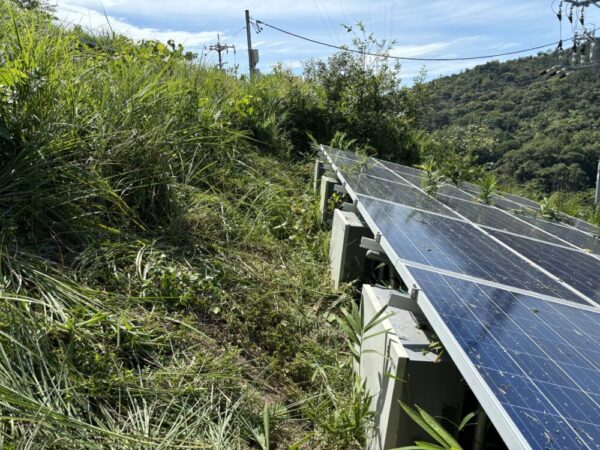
<point x="162" y="272"/>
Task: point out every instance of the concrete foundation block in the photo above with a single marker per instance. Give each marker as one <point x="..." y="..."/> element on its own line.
<point x="397" y="368"/>
<point x="346" y="257"/>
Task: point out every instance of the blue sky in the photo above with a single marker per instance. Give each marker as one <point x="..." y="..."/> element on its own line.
<point x="430" y="28"/>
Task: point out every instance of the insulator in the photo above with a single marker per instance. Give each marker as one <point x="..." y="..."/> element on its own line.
<point x="559" y="13"/>
<point x="570" y="16"/>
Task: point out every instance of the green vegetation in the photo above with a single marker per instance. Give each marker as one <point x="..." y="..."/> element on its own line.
<point x="487" y="184"/>
<point x="365" y="99"/>
<point x="540" y="135"/>
<point x="432" y="177"/>
<point x="162" y="269"/>
<point x="443" y="439"/>
<point x="163" y="277"/>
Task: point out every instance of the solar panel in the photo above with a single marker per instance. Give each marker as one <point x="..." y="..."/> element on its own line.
<point x="531" y="353"/>
<point x="509" y="205"/>
<point x="511" y="297"/>
<point x="567" y="234"/>
<point x="400" y="194"/>
<point x="456" y="246"/>
<point x="335" y="153"/>
<point x="466" y="191"/>
<point x="453" y="191"/>
<point x="401" y="169"/>
<point x="521" y="200"/>
<point x="584" y="226"/>
<point x="414" y="179"/>
<point x="353" y="168"/>
<point x="490" y="216"/>
<point x="574" y="267"/>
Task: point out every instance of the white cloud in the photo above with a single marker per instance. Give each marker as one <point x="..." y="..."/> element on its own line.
<point x="434" y="49"/>
<point x="435" y="28"/>
<point x="98" y="22"/>
<point x="227" y="8"/>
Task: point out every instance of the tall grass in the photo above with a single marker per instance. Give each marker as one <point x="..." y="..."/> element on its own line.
<point x="161" y="266"/>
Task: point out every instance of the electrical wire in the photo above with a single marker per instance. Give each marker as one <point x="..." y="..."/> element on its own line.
<point x="330" y="21"/>
<point x="322" y="20"/>
<point x="260" y="23"/>
<point x="237" y="32"/>
<point x="392" y="17"/>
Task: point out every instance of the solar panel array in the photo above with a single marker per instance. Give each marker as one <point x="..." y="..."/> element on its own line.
<point x="513" y="297"/>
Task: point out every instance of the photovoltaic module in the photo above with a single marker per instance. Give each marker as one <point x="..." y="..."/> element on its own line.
<point x="513" y="297"/>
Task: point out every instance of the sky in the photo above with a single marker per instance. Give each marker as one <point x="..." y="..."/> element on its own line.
<point x="427" y="28"/>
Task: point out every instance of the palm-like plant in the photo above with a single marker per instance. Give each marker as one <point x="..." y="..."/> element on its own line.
<point x="488" y="184"/>
<point x="432" y="177"/>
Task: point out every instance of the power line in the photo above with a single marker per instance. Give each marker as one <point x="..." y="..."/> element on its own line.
<point x="406" y="58"/>
<point x="333" y="26"/>
<point x="237" y="32"/>
<point x="322" y="20"/>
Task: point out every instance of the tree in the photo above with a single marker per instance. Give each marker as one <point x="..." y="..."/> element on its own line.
<point x="365" y="99"/>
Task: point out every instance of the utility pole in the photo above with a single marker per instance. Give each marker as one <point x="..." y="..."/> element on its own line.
<point x="220" y="49"/>
<point x="251" y="59"/>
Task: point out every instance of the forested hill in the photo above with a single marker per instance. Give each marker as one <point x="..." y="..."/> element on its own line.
<point x="542" y="132"/>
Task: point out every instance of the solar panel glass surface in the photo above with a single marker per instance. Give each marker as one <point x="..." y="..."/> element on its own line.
<point x="574" y="267"/>
<point x="490" y="216"/>
<point x="456" y="246"/>
<point x="535" y="356"/>
<point x="532" y="353"/>
<point x="568" y="234"/>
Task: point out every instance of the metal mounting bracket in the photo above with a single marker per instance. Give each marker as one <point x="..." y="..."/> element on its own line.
<point x="371" y="244"/>
<point x="403" y="301"/>
<point x="340" y="189"/>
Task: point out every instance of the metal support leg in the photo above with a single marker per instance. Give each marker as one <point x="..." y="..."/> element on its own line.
<point x="319" y="171"/>
<point x="480" y="429"/>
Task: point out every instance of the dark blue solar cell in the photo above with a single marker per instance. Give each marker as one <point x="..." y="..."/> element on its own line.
<point x="336" y="153"/>
<point x="545" y="378"/>
<point x="399" y="193"/>
<point x="567" y="233"/>
<point x="402" y="169"/>
<point x="351" y="170"/>
<point x="456" y="246"/>
<point x="576" y="268"/>
<point x="521" y="200"/>
<point x="490" y="216"/>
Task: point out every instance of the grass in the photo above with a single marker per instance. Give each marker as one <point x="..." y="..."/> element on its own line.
<point x="162" y="269"/>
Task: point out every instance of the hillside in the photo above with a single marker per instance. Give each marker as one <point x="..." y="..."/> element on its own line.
<point x="163" y="272"/>
<point x="163" y="269"/>
<point x="543" y="133"/>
